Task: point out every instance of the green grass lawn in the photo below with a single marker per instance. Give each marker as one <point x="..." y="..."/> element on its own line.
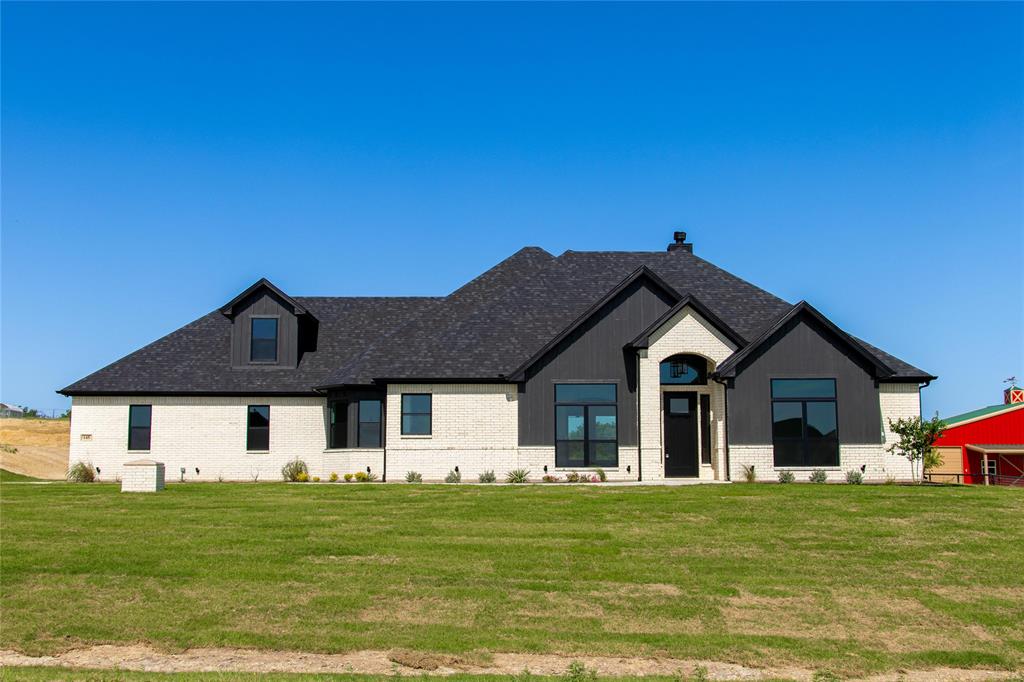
<point x="852" y="578"/>
<point x="11" y="477"/>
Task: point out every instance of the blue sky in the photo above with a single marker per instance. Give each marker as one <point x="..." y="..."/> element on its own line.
<point x="158" y="158"/>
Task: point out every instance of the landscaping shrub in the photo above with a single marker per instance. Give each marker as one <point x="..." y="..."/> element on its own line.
<point x="371" y="477"/>
<point x="291" y="470"/>
<point x="453" y="477"/>
<point x="81" y="472"/>
<point x="348" y="478"/>
<point x="316" y="479"/>
<point x="302" y="477"/>
<point x="518" y="476"/>
<point x="413" y="477"/>
<point x="334" y="477"/>
<point x="548" y="478"/>
<point x="572" y="477"/>
<point x="577" y="672"/>
<point x="786" y="476"/>
<point x="748" y="473"/>
<point x="818" y="476"/>
<point x="854" y="477"/>
<point x="488" y="477"/>
<point x="601" y="475"/>
<point x="362" y="477"/>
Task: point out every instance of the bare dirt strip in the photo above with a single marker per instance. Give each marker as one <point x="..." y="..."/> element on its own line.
<point x="144" y="658"/>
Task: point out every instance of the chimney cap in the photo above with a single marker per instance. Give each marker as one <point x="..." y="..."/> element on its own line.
<point x="679" y="242"/>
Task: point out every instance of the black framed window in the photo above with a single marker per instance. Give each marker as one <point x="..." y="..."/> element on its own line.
<point x="684" y="369"/>
<point x="416" y="414"/>
<point x="804" y="423"/>
<point x="263" y="340"/>
<point x="586" y="425"/>
<point x="369" y="423"/>
<point x="257" y="435"/>
<point x="140" y="426"/>
<point x="337" y="436"/>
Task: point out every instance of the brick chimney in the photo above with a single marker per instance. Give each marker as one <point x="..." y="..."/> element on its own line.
<point x="679" y="242"/>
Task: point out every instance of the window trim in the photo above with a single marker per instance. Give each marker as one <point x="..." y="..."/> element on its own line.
<point x="379" y="422"/>
<point x="429" y="413"/>
<point x="249" y="428"/>
<point x="149" y="436"/>
<point x="586" y="424"/>
<point x="277" y="339"/>
<point x="803" y="416"/>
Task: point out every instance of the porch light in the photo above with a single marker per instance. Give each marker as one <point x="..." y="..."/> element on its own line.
<point x="367" y="469"/>
<point x="628" y="468"/>
<point x="97" y="470"/>
<point x="545" y="468"/>
<point x="456" y="468"/>
<point x="197" y="471"/>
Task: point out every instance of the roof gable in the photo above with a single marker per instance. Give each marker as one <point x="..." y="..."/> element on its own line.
<point x="643" y="340"/>
<point x="643" y="272"/>
<point x="229" y="309"/>
<point x="804" y="309"/>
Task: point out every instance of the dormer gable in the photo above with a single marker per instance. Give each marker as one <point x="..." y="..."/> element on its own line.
<point x="269" y="329"/>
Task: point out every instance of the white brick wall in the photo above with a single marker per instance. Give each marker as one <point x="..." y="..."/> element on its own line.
<point x="143" y="478"/>
<point x="473" y="426"/>
<point x="895" y="401"/>
<point x="204" y="432"/>
<point x="686" y="332"/>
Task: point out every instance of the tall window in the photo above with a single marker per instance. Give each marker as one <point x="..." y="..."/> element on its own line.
<point x="684" y="369"/>
<point x="804" y="424"/>
<point x="263" y="342"/>
<point x="586" y="433"/>
<point x="369" y="423"/>
<point x="257" y="436"/>
<point x="416" y="414"/>
<point x="140" y="422"/>
<point x="338" y="435"/>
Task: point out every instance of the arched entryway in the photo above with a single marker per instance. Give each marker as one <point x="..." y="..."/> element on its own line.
<point x="682" y="413"/>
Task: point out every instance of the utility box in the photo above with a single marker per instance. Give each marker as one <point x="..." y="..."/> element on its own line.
<point x="143" y="476"/>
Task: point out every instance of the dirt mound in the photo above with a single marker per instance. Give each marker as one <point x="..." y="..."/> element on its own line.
<point x="35" y="447"/>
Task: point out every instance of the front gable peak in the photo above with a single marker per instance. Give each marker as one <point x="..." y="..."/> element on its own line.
<point x="231" y="307"/>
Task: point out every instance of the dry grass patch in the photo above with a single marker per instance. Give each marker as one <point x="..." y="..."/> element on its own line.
<point x="40" y="446"/>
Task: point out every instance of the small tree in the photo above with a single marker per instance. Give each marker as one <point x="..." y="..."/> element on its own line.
<point x="917" y="437"/>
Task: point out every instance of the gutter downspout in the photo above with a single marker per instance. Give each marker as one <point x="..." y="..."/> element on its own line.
<point x="639" y="442"/>
<point x="725" y="401"/>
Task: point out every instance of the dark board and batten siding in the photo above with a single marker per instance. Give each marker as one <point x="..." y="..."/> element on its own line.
<point x="593" y="353"/>
<point x="265" y="303"/>
<point x="804" y="349"/>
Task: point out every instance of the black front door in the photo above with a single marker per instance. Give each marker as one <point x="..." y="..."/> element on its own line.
<point x="680" y="410"/>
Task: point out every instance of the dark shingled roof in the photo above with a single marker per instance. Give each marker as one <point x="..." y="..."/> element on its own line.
<point x="482" y="331"/>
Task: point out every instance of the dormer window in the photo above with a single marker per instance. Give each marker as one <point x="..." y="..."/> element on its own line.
<point x="263" y="343"/>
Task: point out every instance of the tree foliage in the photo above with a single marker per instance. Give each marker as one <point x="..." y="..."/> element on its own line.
<point x="916" y="440"/>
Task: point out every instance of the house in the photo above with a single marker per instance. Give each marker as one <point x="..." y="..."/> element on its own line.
<point x="11" y="410"/>
<point x="648" y="365"/>
<point x="985" y="445"/>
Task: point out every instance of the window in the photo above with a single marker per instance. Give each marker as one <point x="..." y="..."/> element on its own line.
<point x="684" y="369"/>
<point x="140" y="422"/>
<point x="993" y="467"/>
<point x="416" y="414"/>
<point x="337" y="437"/>
<point x="263" y="341"/>
<point x="369" y="423"/>
<point x="804" y="424"/>
<point x="586" y="433"/>
<point x="257" y="435"/>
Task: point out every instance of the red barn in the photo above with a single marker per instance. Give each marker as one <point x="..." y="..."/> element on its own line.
<point x="988" y="444"/>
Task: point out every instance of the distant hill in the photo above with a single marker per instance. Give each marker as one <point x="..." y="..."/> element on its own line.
<point x="35" y="447"/>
